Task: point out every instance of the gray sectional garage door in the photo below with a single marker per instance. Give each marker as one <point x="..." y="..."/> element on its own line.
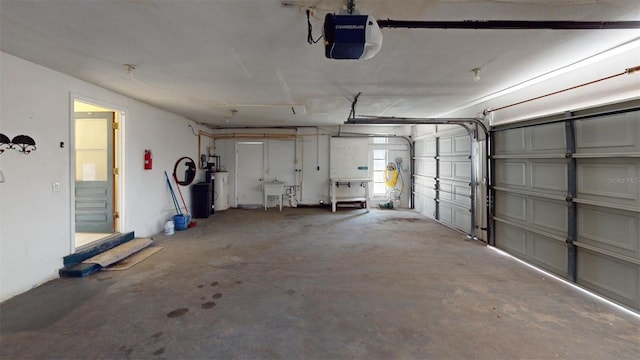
<point x="442" y="177"/>
<point x="567" y="199"/>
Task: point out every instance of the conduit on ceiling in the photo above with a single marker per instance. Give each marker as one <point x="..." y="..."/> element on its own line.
<point x="628" y="71"/>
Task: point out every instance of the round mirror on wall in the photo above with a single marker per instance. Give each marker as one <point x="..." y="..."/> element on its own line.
<point x="184" y="172"/>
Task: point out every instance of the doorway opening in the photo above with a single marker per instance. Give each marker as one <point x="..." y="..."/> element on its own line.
<point x="95" y="169"/>
<point x="249" y="174"/>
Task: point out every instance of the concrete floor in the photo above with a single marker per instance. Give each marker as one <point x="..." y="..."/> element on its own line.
<point x="309" y="284"/>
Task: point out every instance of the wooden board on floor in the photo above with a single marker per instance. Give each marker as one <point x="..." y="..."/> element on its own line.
<point x="134" y="259"/>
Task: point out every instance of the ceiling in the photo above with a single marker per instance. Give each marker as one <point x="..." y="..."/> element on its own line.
<point x="248" y="63"/>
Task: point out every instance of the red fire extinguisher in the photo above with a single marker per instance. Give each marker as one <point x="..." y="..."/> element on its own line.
<point x="148" y="160"/>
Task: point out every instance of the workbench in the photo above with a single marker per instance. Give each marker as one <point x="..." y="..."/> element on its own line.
<point x="349" y="182"/>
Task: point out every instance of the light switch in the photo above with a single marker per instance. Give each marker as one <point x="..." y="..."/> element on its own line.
<point x="55" y="186"/>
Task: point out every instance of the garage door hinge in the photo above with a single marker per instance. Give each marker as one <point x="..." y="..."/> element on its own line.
<point x="116" y="171"/>
<point x="116" y="215"/>
<point x="116" y="125"/>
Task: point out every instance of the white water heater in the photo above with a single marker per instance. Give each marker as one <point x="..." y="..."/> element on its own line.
<point x="221" y="191"/>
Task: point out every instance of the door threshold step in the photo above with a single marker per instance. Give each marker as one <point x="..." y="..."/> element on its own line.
<point x="79" y="270"/>
<point x="105" y="258"/>
<point x="97" y="248"/>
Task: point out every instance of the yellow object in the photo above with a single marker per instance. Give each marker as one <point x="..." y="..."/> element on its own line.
<point x="391" y="175"/>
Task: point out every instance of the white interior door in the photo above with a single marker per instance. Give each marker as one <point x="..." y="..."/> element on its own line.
<point x="249" y="173"/>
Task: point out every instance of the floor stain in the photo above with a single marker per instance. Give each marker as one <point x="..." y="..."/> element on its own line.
<point x="177" y="312"/>
<point x="238" y="282"/>
<point x="291" y="292"/>
<point x="208" y="305"/>
<point x="215" y="283"/>
<point x="159" y="352"/>
<point x="126" y="350"/>
<point x="217" y="295"/>
<point x="157" y="335"/>
<point x="200" y="286"/>
<point x="202" y="297"/>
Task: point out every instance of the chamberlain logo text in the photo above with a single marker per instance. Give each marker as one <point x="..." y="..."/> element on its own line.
<point x="349" y="27"/>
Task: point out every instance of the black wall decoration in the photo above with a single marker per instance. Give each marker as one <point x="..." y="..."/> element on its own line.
<point x="21" y="143"/>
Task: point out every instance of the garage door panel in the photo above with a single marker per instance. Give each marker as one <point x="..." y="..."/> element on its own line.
<point x="609" y="181"/>
<point x="462" y="195"/>
<point x="612" y="277"/>
<point x="446" y="191"/>
<point x="462" y="170"/>
<point x="549" y="215"/>
<point x="511" y="173"/>
<point x="511" y="206"/>
<point x="443" y="173"/>
<point x="446" y="212"/>
<point x="548" y="253"/>
<point x="430" y="207"/>
<point x="543" y="139"/>
<point x="456" y="192"/>
<point x="511" y="239"/>
<point x="462" y="219"/>
<point x="455" y="216"/>
<point x="545" y="176"/>
<point x="425" y="167"/>
<point x="425" y="205"/>
<point x="430" y="147"/>
<point x="446" y="169"/>
<point x="428" y="191"/>
<point x="510" y="142"/>
<point x="547" y="138"/>
<point x="446" y="146"/>
<point x="613" y="230"/>
<point x="615" y="133"/>
<point x="461" y="145"/>
<point x="549" y="176"/>
<point x="601" y="213"/>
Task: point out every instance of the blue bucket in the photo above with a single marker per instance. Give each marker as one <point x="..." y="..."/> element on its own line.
<point x="181" y="222"/>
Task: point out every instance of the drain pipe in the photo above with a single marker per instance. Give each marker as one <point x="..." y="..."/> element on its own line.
<point x="464" y="122"/>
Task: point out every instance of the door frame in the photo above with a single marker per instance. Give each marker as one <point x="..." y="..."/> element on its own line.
<point x="119" y="157"/>
<point x="235" y="195"/>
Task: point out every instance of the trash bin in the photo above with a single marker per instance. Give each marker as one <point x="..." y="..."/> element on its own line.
<point x="201" y="200"/>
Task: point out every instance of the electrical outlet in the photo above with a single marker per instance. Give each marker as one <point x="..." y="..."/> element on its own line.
<point x="55" y="186"/>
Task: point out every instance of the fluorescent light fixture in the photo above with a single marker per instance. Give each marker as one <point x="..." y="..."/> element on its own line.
<point x="629" y="45"/>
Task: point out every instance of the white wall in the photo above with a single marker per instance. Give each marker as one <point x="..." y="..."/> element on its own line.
<point x="35" y="222"/>
<point x="311" y="149"/>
